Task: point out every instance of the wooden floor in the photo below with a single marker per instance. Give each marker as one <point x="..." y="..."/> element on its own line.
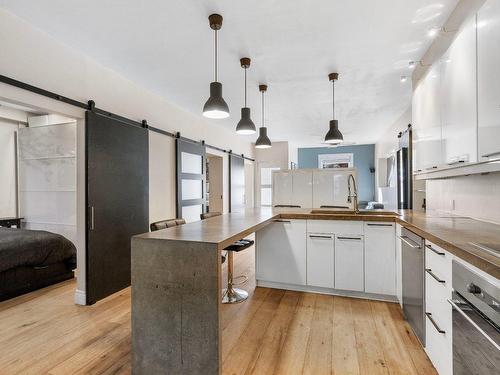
<point x="274" y="332"/>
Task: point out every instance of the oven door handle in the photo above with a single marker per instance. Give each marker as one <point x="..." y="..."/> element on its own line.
<point x="454" y="305"/>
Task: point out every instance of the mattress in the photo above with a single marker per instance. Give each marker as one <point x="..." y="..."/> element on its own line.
<point x="33" y="248"/>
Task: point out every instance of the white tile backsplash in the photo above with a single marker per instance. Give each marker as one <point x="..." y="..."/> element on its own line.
<point x="476" y="196"/>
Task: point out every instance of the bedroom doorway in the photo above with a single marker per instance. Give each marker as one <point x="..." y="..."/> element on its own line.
<point x="40" y="196"/>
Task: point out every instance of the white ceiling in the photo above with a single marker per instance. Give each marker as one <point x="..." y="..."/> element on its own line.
<point x="166" y="46"/>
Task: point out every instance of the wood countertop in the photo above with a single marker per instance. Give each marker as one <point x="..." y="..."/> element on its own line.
<point x="453" y="233"/>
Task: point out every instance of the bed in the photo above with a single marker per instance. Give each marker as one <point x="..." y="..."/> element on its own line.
<point x="33" y="259"/>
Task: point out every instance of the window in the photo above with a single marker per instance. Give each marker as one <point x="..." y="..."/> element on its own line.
<point x="266" y="186"/>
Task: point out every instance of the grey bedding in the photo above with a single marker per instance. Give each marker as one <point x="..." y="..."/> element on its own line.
<point x="20" y="247"/>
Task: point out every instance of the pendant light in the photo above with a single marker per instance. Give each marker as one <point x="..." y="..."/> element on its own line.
<point x="334" y="136"/>
<point x="245" y="125"/>
<point x="215" y="107"/>
<point x="263" y="141"/>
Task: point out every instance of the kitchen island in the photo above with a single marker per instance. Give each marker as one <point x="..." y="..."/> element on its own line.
<point x="176" y="279"/>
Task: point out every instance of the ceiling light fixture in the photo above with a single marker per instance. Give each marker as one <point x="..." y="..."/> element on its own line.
<point x="215" y="107"/>
<point x="263" y="141"/>
<point x="334" y="136"/>
<point x="434" y="31"/>
<point x="404" y="78"/>
<point x="245" y="125"/>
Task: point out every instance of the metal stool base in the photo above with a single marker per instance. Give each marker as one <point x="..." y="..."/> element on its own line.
<point x="234" y="295"/>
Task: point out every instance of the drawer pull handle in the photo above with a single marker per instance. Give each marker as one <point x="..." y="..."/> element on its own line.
<point x="429" y="315"/>
<point x="282" y="221"/>
<point x="409" y="241"/>
<point x="379" y="225"/>
<point x="434" y="250"/>
<point x="429" y="271"/>
<point x="317" y="236"/>
<point x="349" y="238"/>
<point x="491" y="154"/>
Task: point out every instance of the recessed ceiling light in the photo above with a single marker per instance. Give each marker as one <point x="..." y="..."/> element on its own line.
<point x="433" y="32"/>
<point x="412" y="64"/>
<point x="404" y="78"/>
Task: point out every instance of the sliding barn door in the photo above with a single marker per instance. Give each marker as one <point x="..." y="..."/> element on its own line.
<point x="236" y="183"/>
<point x="117" y="201"/>
<point x="190" y="168"/>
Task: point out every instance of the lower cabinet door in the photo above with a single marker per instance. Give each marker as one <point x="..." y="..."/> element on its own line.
<point x="320" y="251"/>
<point x="281" y="252"/>
<point x="349" y="262"/>
<point x="380" y="258"/>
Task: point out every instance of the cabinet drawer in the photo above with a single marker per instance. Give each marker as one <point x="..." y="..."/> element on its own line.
<point x="436" y="294"/>
<point x="439" y="260"/>
<point x="439" y="343"/>
<point x="335" y="226"/>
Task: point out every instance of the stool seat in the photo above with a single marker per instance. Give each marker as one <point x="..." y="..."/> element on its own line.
<point x="240" y="245"/>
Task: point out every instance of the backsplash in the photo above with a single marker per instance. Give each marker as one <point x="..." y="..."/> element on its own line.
<point x="476" y="196"/>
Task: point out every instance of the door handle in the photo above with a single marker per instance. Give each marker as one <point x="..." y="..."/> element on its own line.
<point x="281" y="221"/>
<point x="474" y="324"/>
<point x="318" y="236"/>
<point x="491" y="154"/>
<point x="429" y="271"/>
<point x="429" y="316"/>
<point x="434" y="250"/>
<point x="407" y="240"/>
<point x="92" y="218"/>
<point x="379" y="225"/>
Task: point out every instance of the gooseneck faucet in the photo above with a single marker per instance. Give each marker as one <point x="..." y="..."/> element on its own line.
<point x="352" y="192"/>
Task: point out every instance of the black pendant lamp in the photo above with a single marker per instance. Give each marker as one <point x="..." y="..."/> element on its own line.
<point x="245" y="125"/>
<point x="215" y="107"/>
<point x="334" y="136"/>
<point x="263" y="141"/>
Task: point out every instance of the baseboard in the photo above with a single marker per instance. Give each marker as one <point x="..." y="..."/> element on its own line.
<point x="333" y="292"/>
<point x="80" y="297"/>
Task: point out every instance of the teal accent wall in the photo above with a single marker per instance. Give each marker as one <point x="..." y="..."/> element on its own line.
<point x="364" y="159"/>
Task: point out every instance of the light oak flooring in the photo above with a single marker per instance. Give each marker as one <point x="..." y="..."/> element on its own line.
<point x="274" y="332"/>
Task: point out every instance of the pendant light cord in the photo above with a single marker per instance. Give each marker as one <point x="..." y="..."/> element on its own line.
<point x="333" y="98"/>
<point x="216" y="58"/>
<point x="245" y="87"/>
<point x="263" y="103"/>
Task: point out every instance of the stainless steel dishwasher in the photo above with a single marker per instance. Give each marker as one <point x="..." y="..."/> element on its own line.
<point x="413" y="252"/>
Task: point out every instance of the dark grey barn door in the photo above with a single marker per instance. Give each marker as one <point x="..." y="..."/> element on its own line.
<point x="190" y="174"/>
<point x="236" y="183"/>
<point x="117" y="201"/>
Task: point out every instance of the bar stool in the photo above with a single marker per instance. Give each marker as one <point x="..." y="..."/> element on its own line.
<point x="231" y="294"/>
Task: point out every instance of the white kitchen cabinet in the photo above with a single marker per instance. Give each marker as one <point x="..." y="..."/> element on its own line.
<point x="438" y="325"/>
<point x="281" y="252"/>
<point x="458" y="97"/>
<point x="282" y="187"/>
<point x="330" y="188"/>
<point x="349" y="262"/>
<point x="302" y="187"/>
<point x="488" y="84"/>
<point x="426" y="122"/>
<point x="320" y="259"/>
<point x="380" y="258"/>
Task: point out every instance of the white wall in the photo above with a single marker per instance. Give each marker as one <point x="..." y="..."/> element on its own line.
<point x="384" y="148"/>
<point x="34" y="57"/>
<point x="8" y="168"/>
<point x="476" y="196"/>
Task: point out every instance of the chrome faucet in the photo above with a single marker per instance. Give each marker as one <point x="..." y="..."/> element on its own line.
<point x="352" y="192"/>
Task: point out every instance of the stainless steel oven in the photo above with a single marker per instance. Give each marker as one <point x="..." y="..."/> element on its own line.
<point x="476" y="321"/>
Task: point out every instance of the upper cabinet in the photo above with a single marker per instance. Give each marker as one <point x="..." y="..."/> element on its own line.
<point x="292" y="187"/>
<point x="458" y="97"/>
<point x="426" y="119"/>
<point x="488" y="74"/>
<point x="330" y="188"/>
<point x="282" y="188"/>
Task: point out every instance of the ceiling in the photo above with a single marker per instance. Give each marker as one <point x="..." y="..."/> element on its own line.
<point x="166" y="46"/>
